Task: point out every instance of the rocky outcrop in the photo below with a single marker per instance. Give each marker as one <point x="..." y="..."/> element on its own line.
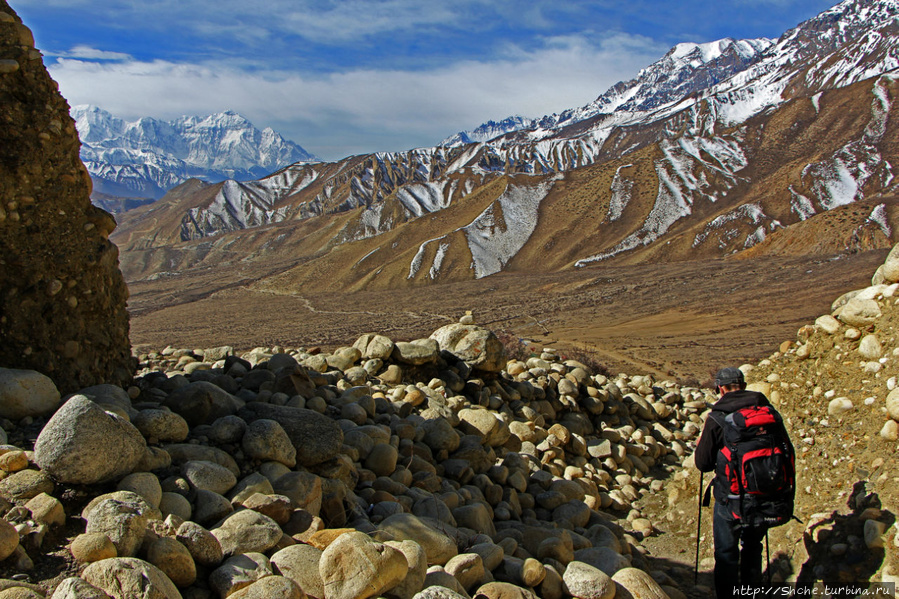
<point x="62" y="296"/>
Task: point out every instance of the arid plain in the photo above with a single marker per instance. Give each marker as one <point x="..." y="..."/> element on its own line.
<point x="681" y="319"/>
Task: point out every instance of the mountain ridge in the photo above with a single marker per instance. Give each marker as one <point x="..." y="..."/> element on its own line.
<point x="796" y="133"/>
<point x="146" y="157"/>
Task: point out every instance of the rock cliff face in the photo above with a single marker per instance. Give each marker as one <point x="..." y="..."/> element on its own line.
<point x="62" y="296"/>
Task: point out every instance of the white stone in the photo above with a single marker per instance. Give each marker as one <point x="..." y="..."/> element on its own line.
<point x="26" y="393"/>
<point x="839" y="406"/>
<point x="870" y="347"/>
<point x="828" y="324"/>
<point x="892" y="404"/>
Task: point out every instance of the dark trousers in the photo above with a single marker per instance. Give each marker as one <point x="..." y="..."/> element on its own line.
<point x="735" y="566"/>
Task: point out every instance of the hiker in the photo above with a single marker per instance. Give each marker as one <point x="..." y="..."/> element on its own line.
<point x="743" y="516"/>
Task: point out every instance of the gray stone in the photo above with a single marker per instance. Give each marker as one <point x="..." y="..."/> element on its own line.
<point x="144" y="484"/>
<point x="26" y="393"/>
<point x="83" y="444"/>
<point x="417" y="561"/>
<point x="208" y="476"/>
<point x="265" y="440"/>
<point x="602" y="558"/>
<point x="316" y="437"/>
<point x="187" y="452"/>
<point x="123" y="517"/>
<point x="439" y="434"/>
<point x="382" y="459"/>
<point x="468" y="569"/>
<point x="25" y="484"/>
<point x="406" y="527"/>
<point x="9" y="539"/>
<point x="247" y="532"/>
<point x="438" y="592"/>
<point x="587" y="582"/>
<point x="203" y="546"/>
<point x="173" y="559"/>
<point x="214" y="354"/>
<point x="162" y="426"/>
<point x="128" y="577"/>
<point x="300" y="563"/>
<point x="175" y="504"/>
<point x="828" y="324"/>
<point x="416" y="353"/>
<point x="210" y="507"/>
<point x="304" y="490"/>
<point x="239" y="572"/>
<point x="202" y="402"/>
<point x="890" y="269"/>
<point x="109" y="395"/>
<point x="870" y="348"/>
<point x="77" y="588"/>
<point x="228" y="429"/>
<point x="475" y="516"/>
<point x="270" y="587"/>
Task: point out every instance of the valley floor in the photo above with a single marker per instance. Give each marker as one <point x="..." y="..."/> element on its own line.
<point x="681" y="319"/>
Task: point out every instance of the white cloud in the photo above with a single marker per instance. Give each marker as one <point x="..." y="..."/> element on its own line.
<point x="88" y="53"/>
<point x="356" y="111"/>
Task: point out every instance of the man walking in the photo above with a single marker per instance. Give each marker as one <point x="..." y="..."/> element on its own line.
<point x="733" y="566"/>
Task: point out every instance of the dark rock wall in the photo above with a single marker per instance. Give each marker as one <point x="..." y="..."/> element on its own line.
<point x="62" y="296"/>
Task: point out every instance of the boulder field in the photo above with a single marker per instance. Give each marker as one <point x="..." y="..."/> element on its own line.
<point x="435" y="467"/>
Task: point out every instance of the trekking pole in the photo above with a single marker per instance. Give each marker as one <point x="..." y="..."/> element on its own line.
<point x="698" y="529"/>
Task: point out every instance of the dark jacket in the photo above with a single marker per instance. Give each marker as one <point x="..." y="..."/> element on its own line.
<point x="712" y="439"/>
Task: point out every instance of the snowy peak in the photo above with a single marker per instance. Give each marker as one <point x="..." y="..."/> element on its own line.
<point x="489" y="130"/>
<point x="148" y="156"/>
<point x="686" y="69"/>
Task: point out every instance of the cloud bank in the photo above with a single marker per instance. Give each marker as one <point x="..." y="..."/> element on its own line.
<point x="397" y="109"/>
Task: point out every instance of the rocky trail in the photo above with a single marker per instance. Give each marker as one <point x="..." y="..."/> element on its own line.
<point x="434" y="468"/>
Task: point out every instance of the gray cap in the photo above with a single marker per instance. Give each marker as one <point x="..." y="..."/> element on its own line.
<point x="729" y="376"/>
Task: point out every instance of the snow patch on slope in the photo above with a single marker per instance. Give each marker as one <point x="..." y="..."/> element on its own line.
<point x="751" y="214"/>
<point x="500" y="231"/>
<point x="878" y="216"/>
<point x="621" y="194"/>
<point x="683" y="176"/>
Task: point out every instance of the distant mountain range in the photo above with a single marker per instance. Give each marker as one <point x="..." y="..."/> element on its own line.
<point x="147" y="157"/>
<point x="732" y="147"/>
<point x="685" y="69"/>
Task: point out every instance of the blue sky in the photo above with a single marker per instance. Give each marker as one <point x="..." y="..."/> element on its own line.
<point x="343" y="77"/>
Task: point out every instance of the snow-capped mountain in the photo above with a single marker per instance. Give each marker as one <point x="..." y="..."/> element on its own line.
<point x="489" y="130"/>
<point x="732" y="146"/>
<point x="147" y="157"/>
<point x="686" y="69"/>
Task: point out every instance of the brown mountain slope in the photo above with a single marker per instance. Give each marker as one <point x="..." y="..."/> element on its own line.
<point x="701" y="192"/>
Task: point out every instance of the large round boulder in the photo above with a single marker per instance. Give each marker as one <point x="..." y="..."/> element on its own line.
<point x="84" y="444"/>
<point x="26" y="393"/>
<point x="355" y="567"/>
<point x="128" y="577"/>
<point x="476" y="346"/>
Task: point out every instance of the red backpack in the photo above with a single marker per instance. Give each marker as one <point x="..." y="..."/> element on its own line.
<point x="757" y="465"/>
